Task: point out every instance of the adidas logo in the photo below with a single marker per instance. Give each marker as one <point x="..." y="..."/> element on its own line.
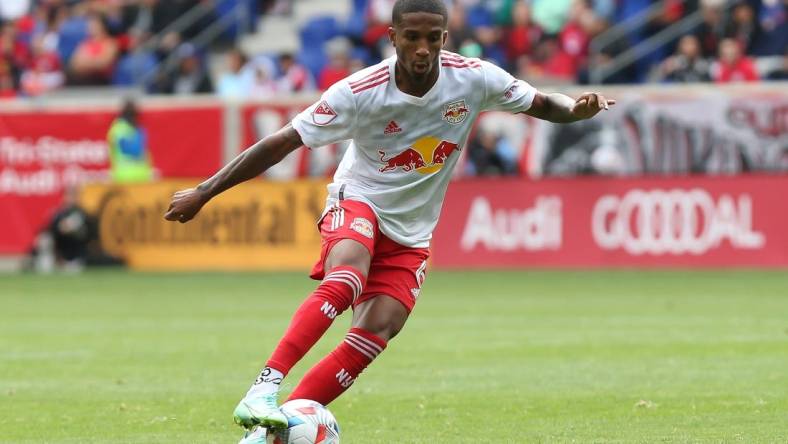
<point x="392" y="128"/>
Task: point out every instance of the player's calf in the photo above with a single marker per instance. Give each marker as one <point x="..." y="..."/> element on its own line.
<point x="335" y="294"/>
<point x="337" y="371"/>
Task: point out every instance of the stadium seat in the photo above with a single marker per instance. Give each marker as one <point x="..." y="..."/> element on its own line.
<point x="318" y="30"/>
<point x="362" y="53"/>
<point x="356" y="24"/>
<point x="72" y="32"/>
<point x="360" y="6"/>
<point x="224" y="7"/>
<point x="132" y="67"/>
<point x="479" y="16"/>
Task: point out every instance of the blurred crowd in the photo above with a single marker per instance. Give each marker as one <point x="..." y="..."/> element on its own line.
<point x="549" y="40"/>
<point x="543" y="41"/>
<point x="45" y="44"/>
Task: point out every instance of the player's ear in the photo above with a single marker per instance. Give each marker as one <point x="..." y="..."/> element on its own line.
<point x="445" y="37"/>
<point x="393" y="36"/>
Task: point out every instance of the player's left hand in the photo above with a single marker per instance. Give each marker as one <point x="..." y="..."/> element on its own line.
<point x="589" y="104"/>
<point x="185" y="205"/>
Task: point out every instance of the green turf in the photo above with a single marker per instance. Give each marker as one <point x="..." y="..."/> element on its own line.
<point x="509" y="357"/>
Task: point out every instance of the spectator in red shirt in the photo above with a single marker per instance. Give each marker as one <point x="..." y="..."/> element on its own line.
<point x="338" y="67"/>
<point x="732" y="66"/>
<point x="520" y="38"/>
<point x="549" y="64"/>
<point x="576" y="34"/>
<point x="94" y="58"/>
<point x="45" y="73"/>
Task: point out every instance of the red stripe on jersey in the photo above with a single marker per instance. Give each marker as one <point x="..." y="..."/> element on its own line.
<point x="451" y="55"/>
<point x="370" y="85"/>
<point x="454" y="57"/>
<point x="369" y="80"/>
<point x="461" y="65"/>
<point x="368" y="76"/>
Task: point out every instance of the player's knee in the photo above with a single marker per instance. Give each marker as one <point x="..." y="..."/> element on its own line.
<point x="340" y="287"/>
<point x="384" y="328"/>
<point x="358" y="263"/>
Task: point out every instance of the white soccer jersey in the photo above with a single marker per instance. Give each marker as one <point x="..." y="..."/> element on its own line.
<point x="404" y="148"/>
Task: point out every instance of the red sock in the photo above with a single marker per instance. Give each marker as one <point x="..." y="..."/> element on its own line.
<point x="334" y="295"/>
<point x="336" y="372"/>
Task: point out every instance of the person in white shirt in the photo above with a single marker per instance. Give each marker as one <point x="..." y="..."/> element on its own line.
<point x="408" y="117"/>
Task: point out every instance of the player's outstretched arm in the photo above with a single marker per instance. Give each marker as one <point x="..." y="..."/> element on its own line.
<point x="560" y="108"/>
<point x="254" y="161"/>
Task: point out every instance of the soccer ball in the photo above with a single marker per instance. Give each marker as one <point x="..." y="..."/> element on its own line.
<point x="308" y="422"/>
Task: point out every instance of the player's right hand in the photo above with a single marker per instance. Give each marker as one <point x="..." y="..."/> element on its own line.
<point x="185" y="205"/>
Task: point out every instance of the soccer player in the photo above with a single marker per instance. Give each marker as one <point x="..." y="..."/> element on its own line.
<point x="408" y="117"/>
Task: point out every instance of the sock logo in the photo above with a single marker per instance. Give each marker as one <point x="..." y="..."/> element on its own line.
<point x="265" y="376"/>
<point x="329" y="310"/>
<point x="344" y="378"/>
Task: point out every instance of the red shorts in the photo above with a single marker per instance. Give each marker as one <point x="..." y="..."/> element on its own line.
<point x="396" y="271"/>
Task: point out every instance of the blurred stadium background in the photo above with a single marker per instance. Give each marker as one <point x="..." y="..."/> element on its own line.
<point x="687" y="172"/>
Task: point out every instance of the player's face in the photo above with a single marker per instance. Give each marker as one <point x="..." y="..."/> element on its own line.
<point x="418" y="39"/>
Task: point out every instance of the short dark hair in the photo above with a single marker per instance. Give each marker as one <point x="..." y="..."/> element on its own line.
<point x="407" y="6"/>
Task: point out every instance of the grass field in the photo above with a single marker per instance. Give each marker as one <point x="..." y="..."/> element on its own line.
<point x="487" y="357"/>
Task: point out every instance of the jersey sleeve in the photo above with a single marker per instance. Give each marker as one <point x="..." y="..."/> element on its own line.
<point x="503" y="92"/>
<point x="331" y="119"/>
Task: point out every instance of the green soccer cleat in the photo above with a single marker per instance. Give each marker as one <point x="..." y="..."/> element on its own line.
<point x="259" y="410"/>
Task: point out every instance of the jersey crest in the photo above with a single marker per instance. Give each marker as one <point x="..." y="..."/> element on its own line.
<point x="323" y="114"/>
<point x="455" y="112"/>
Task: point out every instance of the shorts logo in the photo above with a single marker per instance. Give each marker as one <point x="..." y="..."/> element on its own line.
<point x="421" y="275"/>
<point x="323" y="114"/>
<point x="363" y="226"/>
<point x="455" y="112"/>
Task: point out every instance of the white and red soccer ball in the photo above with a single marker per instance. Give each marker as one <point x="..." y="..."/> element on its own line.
<point x="309" y="422"/>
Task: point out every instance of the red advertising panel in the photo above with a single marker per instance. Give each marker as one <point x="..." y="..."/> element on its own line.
<point x="42" y="152"/>
<point x="603" y="222"/>
<point x="185" y="142"/>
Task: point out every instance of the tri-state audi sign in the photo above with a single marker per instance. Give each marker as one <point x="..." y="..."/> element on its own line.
<point x="600" y="222"/>
<point x="43" y="152"/>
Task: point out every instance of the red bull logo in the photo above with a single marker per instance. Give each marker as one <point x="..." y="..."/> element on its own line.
<point x="427" y="155"/>
<point x="455" y="112"/>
